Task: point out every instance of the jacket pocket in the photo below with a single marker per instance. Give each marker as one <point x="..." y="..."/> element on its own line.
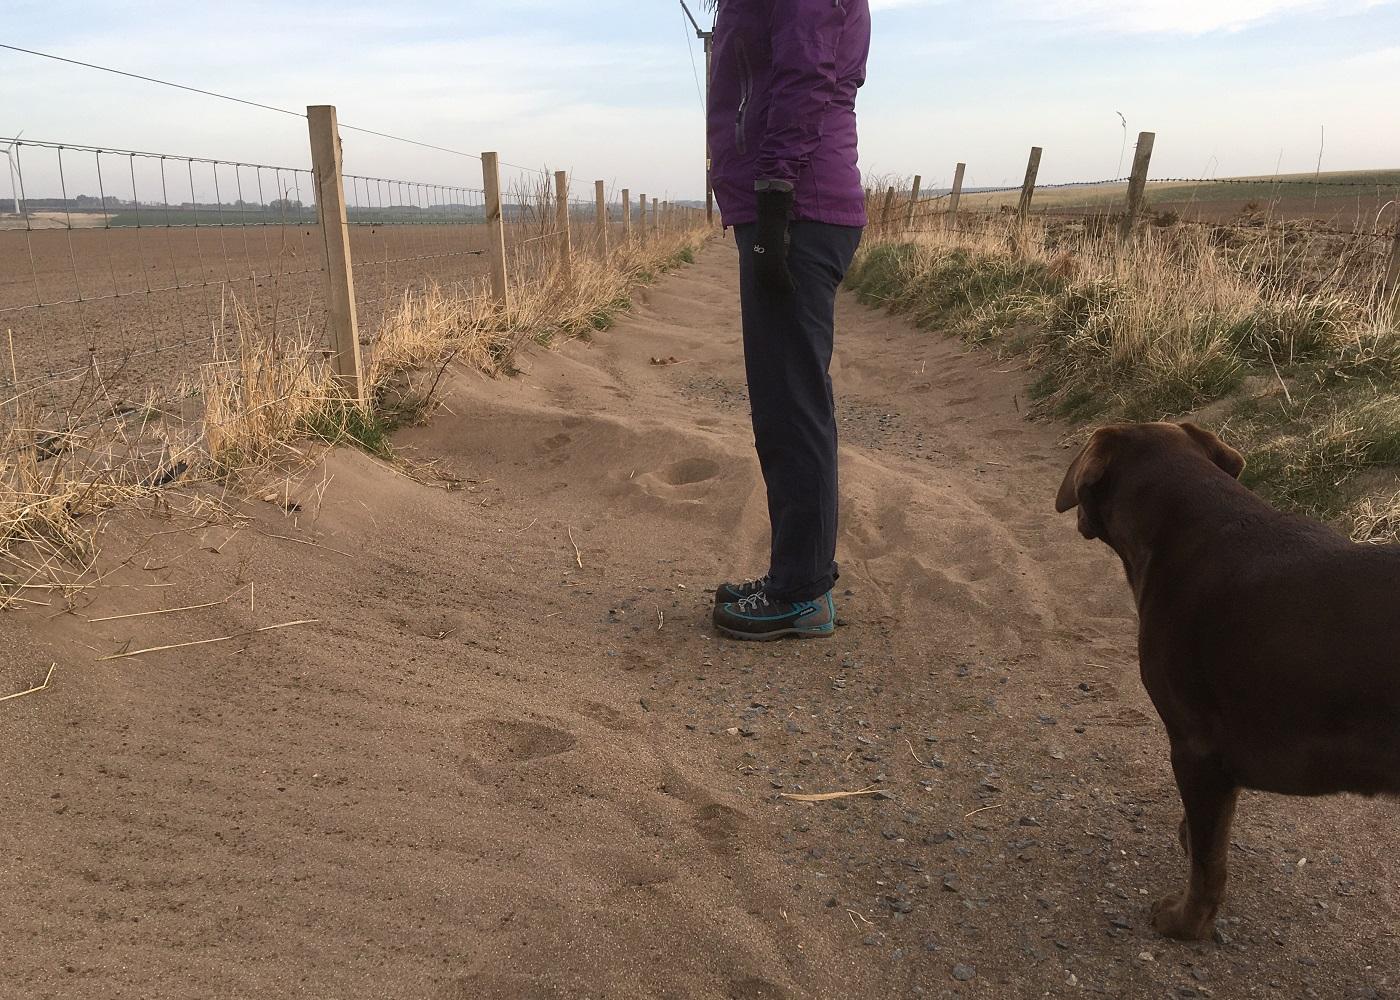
<point x="741" y="141"/>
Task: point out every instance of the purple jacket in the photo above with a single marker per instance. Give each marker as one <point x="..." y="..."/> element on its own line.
<point x="783" y="106"/>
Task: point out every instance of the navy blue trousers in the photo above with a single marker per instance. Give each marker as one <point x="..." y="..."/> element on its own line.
<point x="787" y="356"/>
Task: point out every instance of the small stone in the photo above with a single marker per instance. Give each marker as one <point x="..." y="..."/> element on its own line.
<point x="870" y="940"/>
<point x="964" y="973"/>
<point x="951" y="883"/>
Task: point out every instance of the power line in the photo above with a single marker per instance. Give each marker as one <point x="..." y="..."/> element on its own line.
<point x="694" y="70"/>
<point x="251" y="104"/>
<point x="150" y="79"/>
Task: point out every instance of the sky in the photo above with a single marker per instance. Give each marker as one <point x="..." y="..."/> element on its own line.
<point x="609" y="89"/>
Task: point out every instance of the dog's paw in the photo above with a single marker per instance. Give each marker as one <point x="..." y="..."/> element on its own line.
<point x="1173" y="918"/>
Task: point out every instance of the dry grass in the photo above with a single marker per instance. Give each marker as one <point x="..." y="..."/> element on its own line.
<point x="57" y="476"/>
<point x="1279" y="336"/>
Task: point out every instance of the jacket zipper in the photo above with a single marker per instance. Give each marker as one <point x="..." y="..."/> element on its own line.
<point x="741" y="141"/>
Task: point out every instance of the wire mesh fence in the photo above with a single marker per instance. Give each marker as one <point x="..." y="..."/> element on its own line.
<point x="132" y="261"/>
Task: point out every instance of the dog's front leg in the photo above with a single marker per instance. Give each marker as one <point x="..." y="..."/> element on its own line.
<point x="1208" y="796"/>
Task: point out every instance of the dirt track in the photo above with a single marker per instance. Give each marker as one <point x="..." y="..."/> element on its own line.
<point x="490" y="772"/>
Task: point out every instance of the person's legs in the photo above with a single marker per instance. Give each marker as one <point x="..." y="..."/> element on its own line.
<point x="787" y="354"/>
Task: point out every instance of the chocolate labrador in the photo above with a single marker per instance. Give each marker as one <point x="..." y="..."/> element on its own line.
<point x="1269" y="644"/>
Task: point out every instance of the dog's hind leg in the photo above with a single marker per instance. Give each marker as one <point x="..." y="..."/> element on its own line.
<point x="1209" y="797"/>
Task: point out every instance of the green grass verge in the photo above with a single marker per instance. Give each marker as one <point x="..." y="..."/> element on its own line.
<point x="1307" y="384"/>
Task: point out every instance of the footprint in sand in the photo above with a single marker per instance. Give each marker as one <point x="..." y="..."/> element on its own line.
<point x="606" y="716"/>
<point x="753" y="988"/>
<point x="719" y="827"/>
<point x="690" y="470"/>
<point x="717" y="824"/>
<point x="494" y="744"/>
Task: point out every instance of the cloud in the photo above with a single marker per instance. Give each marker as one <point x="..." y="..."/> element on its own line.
<point x="1185" y="17"/>
<point x="1375" y="61"/>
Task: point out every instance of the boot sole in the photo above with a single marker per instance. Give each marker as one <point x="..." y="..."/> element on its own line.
<point x="823" y="632"/>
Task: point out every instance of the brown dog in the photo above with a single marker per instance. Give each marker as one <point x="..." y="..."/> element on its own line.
<point x="1269" y="644"/>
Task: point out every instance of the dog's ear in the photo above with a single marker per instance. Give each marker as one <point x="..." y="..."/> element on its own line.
<point x="1216" y="450"/>
<point x="1085" y="473"/>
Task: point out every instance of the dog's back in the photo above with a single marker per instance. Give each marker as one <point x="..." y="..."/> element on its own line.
<point x="1297" y="650"/>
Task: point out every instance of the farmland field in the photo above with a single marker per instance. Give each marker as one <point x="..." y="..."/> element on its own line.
<point x="1350" y="200"/>
<point x="152" y="304"/>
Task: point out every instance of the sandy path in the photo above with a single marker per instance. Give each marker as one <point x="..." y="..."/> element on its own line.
<point x="489" y="772"/>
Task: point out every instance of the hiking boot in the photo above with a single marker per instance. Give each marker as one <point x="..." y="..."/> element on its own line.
<point x="760" y="617"/>
<point x="733" y="593"/>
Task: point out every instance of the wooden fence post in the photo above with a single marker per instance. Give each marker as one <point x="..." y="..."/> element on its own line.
<point x="642" y="217"/>
<point x="1137" y="185"/>
<point x="885" y="209"/>
<point x="956" y="195"/>
<point x="561" y="223"/>
<point x="1028" y="188"/>
<point x="626" y="215"/>
<point x="335" y="232"/>
<point x="913" y="201"/>
<point x="495" y="229"/>
<point x="600" y="196"/>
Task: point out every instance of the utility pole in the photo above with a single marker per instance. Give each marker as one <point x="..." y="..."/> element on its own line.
<point x="708" y="37"/>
